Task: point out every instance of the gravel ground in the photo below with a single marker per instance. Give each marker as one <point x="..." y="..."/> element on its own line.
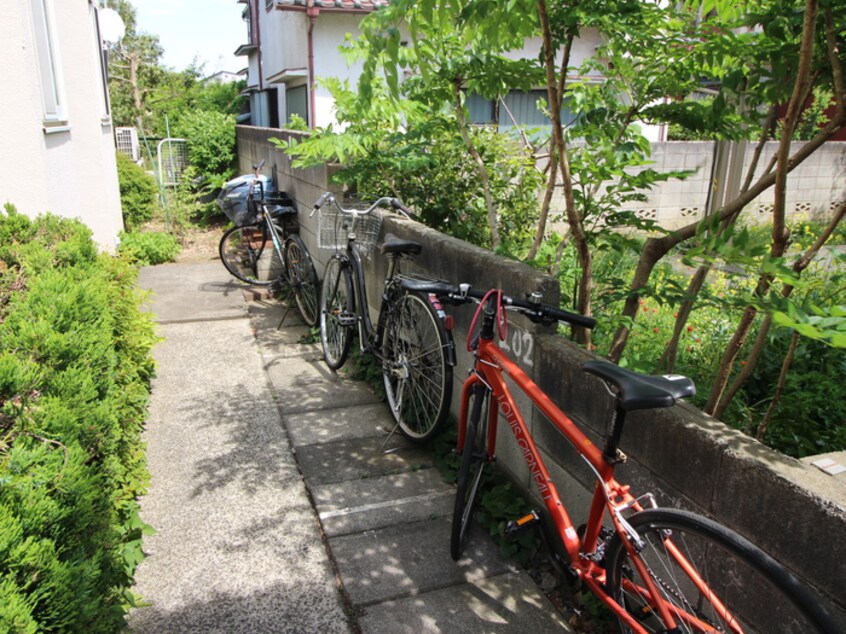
<point x="200" y="244"/>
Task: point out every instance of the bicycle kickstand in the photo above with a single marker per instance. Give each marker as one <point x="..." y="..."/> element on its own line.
<point x="387" y="440"/>
<point x="287" y="300"/>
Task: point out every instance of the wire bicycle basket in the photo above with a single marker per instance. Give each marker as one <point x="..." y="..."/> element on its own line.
<point x="335" y="228"/>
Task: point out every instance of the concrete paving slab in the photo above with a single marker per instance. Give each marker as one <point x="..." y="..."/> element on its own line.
<point x="193" y="292"/>
<point x="238" y="547"/>
<point x="304" y="385"/>
<point x="507" y="603"/>
<point x="280" y="331"/>
<point x="370" y="503"/>
<point x="357" y="458"/>
<point x="409" y="559"/>
<point x="329" y="425"/>
<point x="244" y="418"/>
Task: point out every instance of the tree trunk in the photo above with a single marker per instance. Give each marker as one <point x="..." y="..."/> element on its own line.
<point x="667" y="362"/>
<point x="779" y="233"/>
<point x="782" y="381"/>
<point x="552" y="179"/>
<point x="583" y="301"/>
<point x="798" y="266"/>
<point x="493" y="222"/>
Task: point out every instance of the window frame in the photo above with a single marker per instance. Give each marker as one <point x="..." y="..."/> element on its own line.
<point x="102" y="64"/>
<point x="54" y="108"/>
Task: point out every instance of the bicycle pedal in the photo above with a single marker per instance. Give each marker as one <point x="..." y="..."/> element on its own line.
<point x="347" y="319"/>
<point x="515" y="527"/>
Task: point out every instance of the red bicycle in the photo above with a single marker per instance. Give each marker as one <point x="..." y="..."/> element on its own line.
<point x="657" y="569"/>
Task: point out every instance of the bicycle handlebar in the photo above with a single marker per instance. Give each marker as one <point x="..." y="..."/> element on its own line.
<point x="531" y="308"/>
<point x="395" y="203"/>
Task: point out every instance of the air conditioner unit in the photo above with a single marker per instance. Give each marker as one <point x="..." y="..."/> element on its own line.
<point x="126" y="141"/>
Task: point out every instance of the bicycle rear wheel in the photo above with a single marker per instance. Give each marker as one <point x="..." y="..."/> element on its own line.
<point x="303" y="279"/>
<point x="473" y="461"/>
<point x="416" y="372"/>
<point x="337" y="313"/>
<point x="757" y="594"/>
<point x="248" y="253"/>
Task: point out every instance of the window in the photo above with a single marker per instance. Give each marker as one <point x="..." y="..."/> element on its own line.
<point x="102" y="65"/>
<point x="296" y="100"/>
<point x="246" y="15"/>
<point x="515" y="109"/>
<point x="53" y="98"/>
<point x="481" y="110"/>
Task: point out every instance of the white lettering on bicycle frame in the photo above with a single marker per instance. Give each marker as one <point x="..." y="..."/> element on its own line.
<point x="534" y="468"/>
<point x="521" y="345"/>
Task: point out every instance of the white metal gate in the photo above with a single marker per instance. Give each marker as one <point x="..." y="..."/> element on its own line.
<point x="171" y="160"/>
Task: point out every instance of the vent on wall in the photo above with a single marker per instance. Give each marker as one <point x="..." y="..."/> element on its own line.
<point x="647" y="214"/>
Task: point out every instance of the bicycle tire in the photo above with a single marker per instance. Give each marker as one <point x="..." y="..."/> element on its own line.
<point x="336" y="303"/>
<point x="303" y="279"/>
<point x="416" y="370"/>
<point x="760" y="594"/>
<point x="248" y="254"/>
<point x="473" y="461"/>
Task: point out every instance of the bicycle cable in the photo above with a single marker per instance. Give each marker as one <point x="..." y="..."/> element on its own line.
<point x="501" y="318"/>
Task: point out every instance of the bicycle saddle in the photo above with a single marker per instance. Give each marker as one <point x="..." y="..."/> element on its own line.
<point x="428" y="286"/>
<point x="642" y="391"/>
<point x="393" y="244"/>
<point x="277" y="211"/>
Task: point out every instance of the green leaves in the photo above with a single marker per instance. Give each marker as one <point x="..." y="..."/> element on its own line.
<point x="74" y="377"/>
<point x="138" y="192"/>
<point x="821" y="323"/>
<point x="211" y="140"/>
<point x="149" y="247"/>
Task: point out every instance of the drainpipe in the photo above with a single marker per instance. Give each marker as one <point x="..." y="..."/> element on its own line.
<point x="257" y="21"/>
<point x="312" y="12"/>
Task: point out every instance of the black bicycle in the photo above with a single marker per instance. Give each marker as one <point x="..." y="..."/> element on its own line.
<point x="266" y="249"/>
<point x="409" y="338"/>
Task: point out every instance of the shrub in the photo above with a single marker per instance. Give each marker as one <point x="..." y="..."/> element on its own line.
<point x="75" y="368"/>
<point x="211" y="141"/>
<point x="145" y="248"/>
<point x="138" y="192"/>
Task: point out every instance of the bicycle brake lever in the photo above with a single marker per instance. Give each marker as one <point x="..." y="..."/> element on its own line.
<point x="319" y="202"/>
<point x="397" y="205"/>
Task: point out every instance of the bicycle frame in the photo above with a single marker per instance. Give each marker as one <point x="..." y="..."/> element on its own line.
<point x="369" y="335"/>
<point x="268" y="221"/>
<point x="492" y="365"/>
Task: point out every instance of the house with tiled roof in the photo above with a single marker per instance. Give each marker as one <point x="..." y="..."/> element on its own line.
<point x="293" y="43"/>
<point x="290" y="44"/>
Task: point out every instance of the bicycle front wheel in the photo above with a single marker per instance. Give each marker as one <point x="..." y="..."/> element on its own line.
<point x="473" y="461"/>
<point x="337" y="313"/>
<point x="302" y="278"/>
<point x="415" y="370"/>
<point x="248" y="253"/>
<point x="710" y="578"/>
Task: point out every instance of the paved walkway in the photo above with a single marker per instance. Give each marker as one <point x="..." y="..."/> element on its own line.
<point x="275" y="508"/>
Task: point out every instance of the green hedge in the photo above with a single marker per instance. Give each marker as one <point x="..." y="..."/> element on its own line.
<point x="138" y="192"/>
<point x="75" y="369"/>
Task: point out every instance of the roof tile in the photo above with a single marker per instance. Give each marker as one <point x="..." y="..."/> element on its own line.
<point x="336" y="5"/>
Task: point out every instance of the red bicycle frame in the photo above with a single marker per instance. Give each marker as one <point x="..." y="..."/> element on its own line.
<point x="492" y="365"/>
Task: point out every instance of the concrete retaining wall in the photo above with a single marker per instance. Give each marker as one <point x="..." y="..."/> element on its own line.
<point x="686" y="458"/>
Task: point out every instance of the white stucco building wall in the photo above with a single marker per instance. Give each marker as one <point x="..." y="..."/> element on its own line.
<point x="62" y="162"/>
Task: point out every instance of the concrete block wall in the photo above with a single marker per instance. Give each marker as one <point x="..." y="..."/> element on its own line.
<point x="689" y="460"/>
<point x="814" y="188"/>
